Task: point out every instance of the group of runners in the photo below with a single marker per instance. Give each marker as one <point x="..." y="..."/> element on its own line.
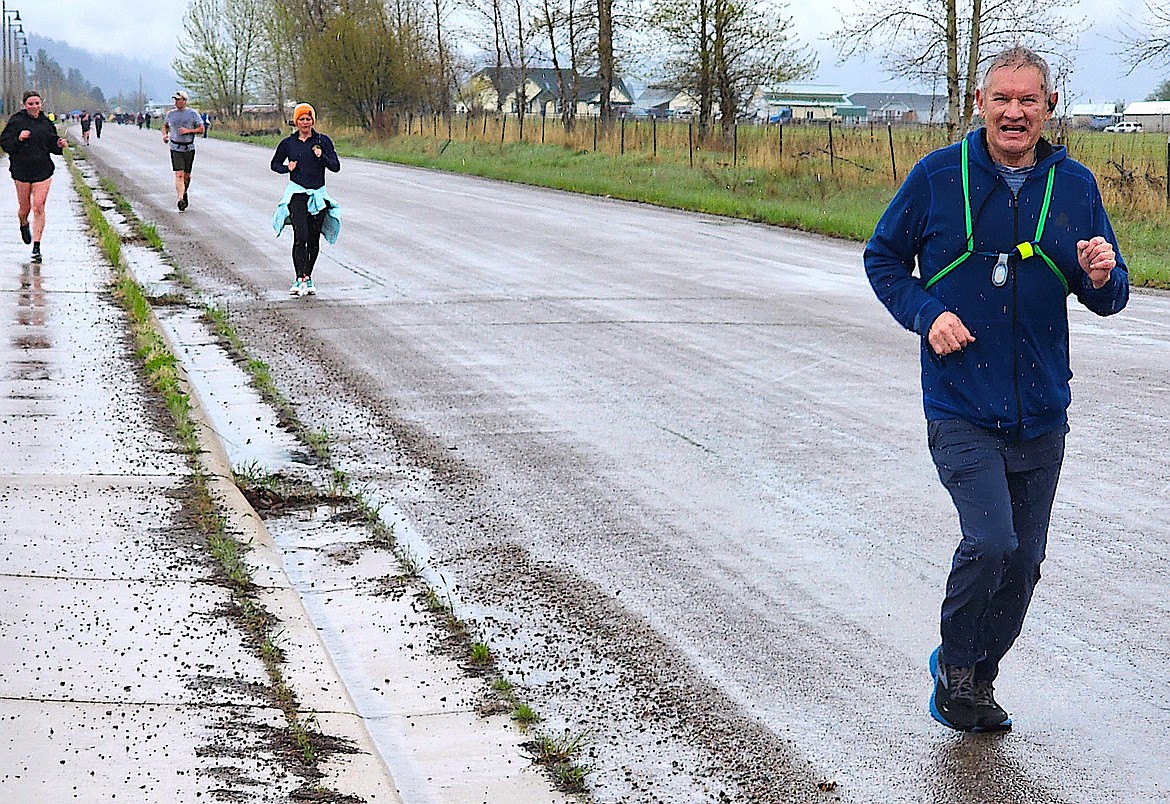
<point x="31" y="140"/>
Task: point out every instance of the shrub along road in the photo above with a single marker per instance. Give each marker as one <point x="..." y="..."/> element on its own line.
<point x="674" y="468"/>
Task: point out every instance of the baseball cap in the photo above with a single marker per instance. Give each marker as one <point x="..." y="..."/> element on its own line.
<point x="180" y="94"/>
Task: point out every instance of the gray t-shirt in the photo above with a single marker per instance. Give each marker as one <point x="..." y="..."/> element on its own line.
<point x="1014" y="176"/>
<point x="175" y="120"/>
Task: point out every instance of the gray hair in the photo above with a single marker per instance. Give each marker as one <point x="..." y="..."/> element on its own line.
<point x="1019" y="56"/>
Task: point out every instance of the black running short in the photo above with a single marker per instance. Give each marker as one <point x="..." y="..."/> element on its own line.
<point x="182" y="160"/>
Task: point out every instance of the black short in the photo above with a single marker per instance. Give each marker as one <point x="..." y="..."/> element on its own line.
<point x="182" y="160"/>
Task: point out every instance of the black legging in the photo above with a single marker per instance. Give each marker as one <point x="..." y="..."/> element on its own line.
<point x="306" y="234"/>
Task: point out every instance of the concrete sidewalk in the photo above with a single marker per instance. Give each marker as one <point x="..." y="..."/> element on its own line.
<point x="124" y="674"/>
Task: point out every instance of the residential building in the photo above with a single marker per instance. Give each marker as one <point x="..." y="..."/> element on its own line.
<point x="901" y="107"/>
<point x="668" y="102"/>
<point x="541" y="92"/>
<point x="800" y="102"/>
<point x="1093" y="115"/>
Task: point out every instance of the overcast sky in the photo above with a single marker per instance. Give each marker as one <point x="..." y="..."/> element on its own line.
<point x="149" y="29"/>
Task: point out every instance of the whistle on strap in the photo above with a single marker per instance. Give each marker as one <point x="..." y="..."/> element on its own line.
<point x="999" y="273"/>
<point x="1025" y="250"/>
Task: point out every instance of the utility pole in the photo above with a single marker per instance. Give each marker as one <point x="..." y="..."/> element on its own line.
<point x="4" y="28"/>
<point x="9" y="51"/>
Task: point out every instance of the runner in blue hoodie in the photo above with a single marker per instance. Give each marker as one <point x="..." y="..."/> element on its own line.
<point x="977" y="253"/>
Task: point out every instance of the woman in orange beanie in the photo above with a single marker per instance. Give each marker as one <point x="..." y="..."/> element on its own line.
<point x="305" y="155"/>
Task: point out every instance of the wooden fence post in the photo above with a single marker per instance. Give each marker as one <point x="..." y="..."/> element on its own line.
<point x="893" y="164"/>
<point x="832" y="153"/>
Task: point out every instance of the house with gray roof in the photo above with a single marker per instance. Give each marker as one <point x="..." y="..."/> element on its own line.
<point x="902" y="107"/>
<point x="542" y="91"/>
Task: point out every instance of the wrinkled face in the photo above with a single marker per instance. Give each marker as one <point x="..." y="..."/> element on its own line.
<point x="1014" y="108"/>
<point x="305" y="123"/>
<point x="33" y="105"/>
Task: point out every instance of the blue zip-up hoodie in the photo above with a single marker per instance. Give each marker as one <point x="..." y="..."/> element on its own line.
<point x="1014" y="378"/>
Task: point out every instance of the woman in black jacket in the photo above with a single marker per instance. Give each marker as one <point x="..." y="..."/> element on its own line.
<point x="30" y="139"/>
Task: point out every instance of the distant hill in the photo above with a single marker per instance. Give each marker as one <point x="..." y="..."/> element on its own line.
<point x="114" y="74"/>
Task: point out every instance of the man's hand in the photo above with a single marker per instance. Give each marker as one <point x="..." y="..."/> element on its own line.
<point x="1097" y="259"/>
<point x="292" y="165"/>
<point x="948" y="334"/>
<point x="24" y="135"/>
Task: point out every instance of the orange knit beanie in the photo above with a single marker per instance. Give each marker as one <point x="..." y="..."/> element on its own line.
<point x="302" y="109"/>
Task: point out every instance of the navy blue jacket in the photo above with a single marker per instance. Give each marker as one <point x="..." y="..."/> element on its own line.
<point x="310" y="172"/>
<point x="1014" y="377"/>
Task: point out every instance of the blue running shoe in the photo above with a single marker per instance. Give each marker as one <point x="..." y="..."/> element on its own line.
<point x="953" y="701"/>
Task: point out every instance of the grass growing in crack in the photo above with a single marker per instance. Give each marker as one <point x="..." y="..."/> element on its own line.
<point x="254" y="475"/>
<point x="318" y="441"/>
<point x="525" y="715"/>
<point x="481" y="654"/>
<point x="559" y="755"/>
<point x="503" y="685"/>
<point x="412" y="566"/>
<point x="435" y="603"/>
<point x="338" y="484"/>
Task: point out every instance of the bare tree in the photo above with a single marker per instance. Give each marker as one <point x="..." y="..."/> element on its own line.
<point x="922" y="39"/>
<point x="563" y="26"/>
<point x="220" y="51"/>
<point x="280" y="57"/>
<point x="686" y="27"/>
<point x="1149" y="44"/>
<point x="722" y="51"/>
<point x="753" y="47"/>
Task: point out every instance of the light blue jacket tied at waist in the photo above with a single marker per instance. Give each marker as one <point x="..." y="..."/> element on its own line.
<point x="319" y="200"/>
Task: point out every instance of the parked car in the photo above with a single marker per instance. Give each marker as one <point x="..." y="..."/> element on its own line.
<point x="1124" y="127"/>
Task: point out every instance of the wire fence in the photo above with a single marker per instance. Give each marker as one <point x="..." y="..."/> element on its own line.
<point x="1132" y="169"/>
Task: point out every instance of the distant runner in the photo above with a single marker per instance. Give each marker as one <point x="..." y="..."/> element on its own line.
<point x="179" y="129"/>
<point x="306" y="204"/>
<point x="30" y="139"/>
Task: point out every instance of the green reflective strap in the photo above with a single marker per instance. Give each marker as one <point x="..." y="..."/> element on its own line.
<point x="946" y="270"/>
<point x="1044" y="208"/>
<point x="1055" y="270"/>
<point x="967" y="200"/>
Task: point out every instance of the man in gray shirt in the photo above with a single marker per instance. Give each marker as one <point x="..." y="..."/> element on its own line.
<point x="180" y="126"/>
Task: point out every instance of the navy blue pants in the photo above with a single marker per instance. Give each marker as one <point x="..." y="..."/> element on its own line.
<point x="1003" y="491"/>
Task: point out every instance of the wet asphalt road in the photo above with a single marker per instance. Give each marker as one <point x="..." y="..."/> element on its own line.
<point x="675" y="467"/>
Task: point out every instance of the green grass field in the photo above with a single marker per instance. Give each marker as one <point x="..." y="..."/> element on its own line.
<point x="794" y="176"/>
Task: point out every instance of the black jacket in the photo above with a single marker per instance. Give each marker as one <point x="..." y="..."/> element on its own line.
<point x="30" y="160"/>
